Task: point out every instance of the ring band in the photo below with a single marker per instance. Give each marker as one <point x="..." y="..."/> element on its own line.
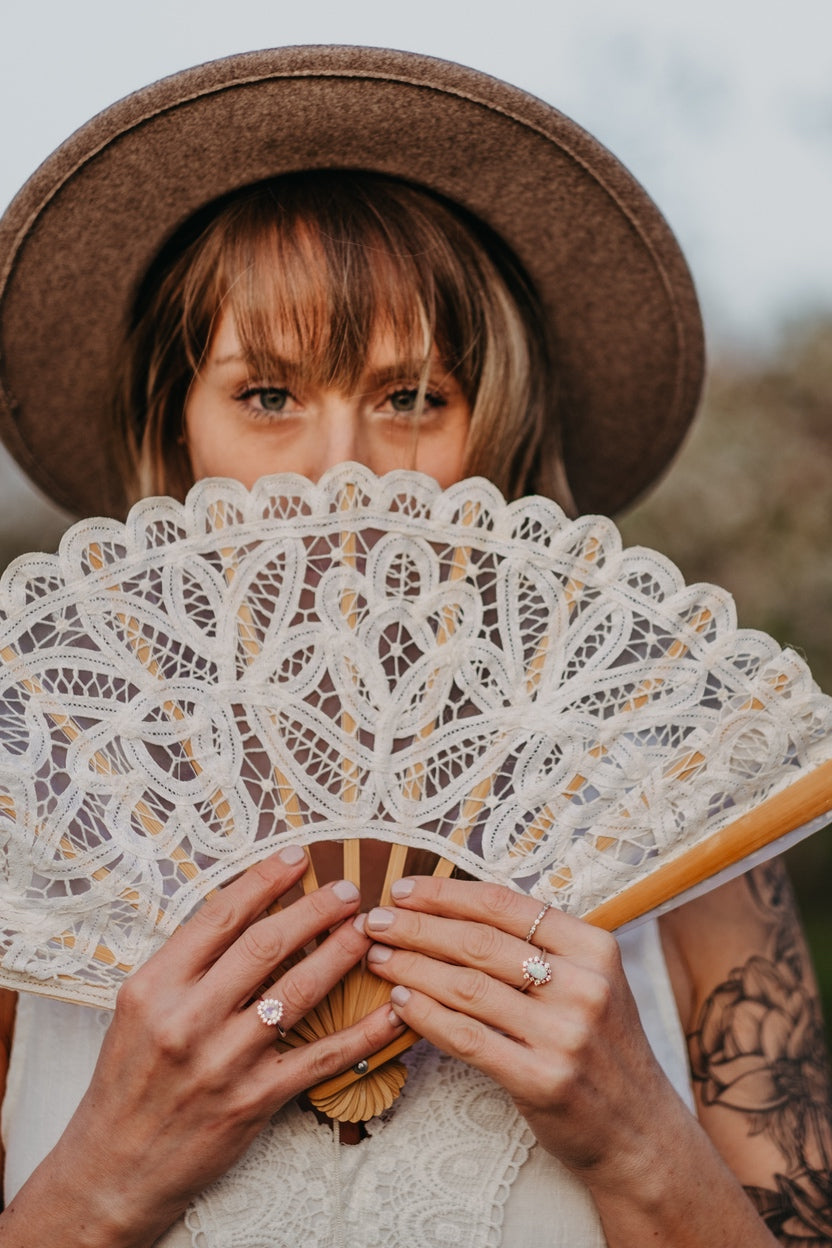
<point x="270" y="1011"/>
<point x="536" y="972"/>
<point x="533" y="928"/>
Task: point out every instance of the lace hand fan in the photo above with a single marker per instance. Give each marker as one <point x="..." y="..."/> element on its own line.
<point x="373" y="659"/>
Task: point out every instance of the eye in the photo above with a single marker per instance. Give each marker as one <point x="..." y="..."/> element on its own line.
<point x="265" y="400"/>
<point x="404" y="401"/>
<point x="271" y="399"/>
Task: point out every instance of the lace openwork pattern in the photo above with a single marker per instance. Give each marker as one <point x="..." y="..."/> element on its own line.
<point x="438" y="1170"/>
<point x="365" y="657"/>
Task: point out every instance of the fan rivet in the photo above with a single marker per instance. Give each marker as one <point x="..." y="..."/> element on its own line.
<point x="361" y="1067"/>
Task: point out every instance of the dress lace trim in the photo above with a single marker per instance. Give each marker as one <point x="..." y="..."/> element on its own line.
<point x="454" y="1143"/>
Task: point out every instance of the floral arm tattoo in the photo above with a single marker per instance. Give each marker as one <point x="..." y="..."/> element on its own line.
<point x="759" y="1049"/>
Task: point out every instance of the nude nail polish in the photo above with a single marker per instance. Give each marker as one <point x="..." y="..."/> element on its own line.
<point x="345" y="890"/>
<point x="380" y="919"/>
<point x="379" y="953"/>
<point x="402" y="889"/>
<point x="292" y="855"/>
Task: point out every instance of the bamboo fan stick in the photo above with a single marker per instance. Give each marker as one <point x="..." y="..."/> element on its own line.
<point x="807" y="798"/>
<point x="248" y="635"/>
<point x="479" y="794"/>
<point x="349" y="1001"/>
<point x="349" y="768"/>
<point x="416" y="776"/>
<point x="143" y="652"/>
<point x="362" y="994"/>
<point x="684" y="768"/>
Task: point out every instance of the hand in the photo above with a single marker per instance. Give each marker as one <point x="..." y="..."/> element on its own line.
<point x="571" y="1052"/>
<point x="188" y="1074"/>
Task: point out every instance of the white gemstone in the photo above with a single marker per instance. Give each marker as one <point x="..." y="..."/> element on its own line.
<point x="270" y="1011"/>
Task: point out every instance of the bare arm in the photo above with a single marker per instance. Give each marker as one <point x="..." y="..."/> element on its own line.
<point x="750" y="1006"/>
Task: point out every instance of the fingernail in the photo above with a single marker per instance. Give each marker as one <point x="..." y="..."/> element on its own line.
<point x="380" y="919"/>
<point x="359" y="922"/>
<point x="345" y="890"/>
<point x="393" y="1018"/>
<point x="292" y="855"/>
<point x="400" y="995"/>
<point x="402" y="889"/>
<point x="379" y="953"/>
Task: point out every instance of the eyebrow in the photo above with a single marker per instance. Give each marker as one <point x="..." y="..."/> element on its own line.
<point x="292" y="371"/>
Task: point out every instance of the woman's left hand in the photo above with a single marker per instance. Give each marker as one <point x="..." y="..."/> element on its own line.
<point x="571" y="1052"/>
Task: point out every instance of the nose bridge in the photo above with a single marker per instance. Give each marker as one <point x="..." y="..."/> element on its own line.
<point x="340" y="432"/>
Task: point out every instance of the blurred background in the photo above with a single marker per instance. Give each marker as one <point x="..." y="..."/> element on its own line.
<point x="722" y="109"/>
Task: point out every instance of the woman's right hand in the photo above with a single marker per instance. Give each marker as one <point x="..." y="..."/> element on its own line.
<point x="188" y="1074"/>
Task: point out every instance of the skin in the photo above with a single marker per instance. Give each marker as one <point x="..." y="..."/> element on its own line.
<point x="572" y="1053"/>
<point x="243" y="427"/>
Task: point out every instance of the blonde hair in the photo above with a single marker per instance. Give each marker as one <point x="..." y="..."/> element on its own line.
<point x="334" y="258"/>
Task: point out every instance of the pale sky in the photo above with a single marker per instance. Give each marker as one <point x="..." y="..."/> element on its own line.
<point x="722" y="108"/>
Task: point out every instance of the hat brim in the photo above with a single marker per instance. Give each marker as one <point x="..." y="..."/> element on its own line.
<point x="621" y="313"/>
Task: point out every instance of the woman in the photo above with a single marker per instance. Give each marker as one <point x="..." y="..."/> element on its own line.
<point x="382" y="316"/>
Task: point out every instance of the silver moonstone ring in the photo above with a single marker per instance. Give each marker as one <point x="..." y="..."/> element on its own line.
<point x="270" y="1011"/>
<point x="536" y="972"/>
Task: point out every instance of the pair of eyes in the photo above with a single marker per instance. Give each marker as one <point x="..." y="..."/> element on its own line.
<point x="403" y="401"/>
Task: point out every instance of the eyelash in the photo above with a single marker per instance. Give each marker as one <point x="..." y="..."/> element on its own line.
<point x="433" y="399"/>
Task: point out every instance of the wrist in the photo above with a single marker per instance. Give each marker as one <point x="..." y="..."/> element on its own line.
<point x="678" y="1190"/>
<point x="77" y="1206"/>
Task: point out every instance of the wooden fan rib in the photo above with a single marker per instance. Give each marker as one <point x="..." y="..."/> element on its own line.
<point x="807" y="798"/>
<point x="362" y="992"/>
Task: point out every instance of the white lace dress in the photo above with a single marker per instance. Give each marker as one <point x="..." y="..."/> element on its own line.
<point x="452" y="1165"/>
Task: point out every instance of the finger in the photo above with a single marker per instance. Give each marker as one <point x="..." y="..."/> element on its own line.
<point x="305" y="984"/>
<point x="458" y="941"/>
<point x="221" y="919"/>
<point x="466" y="1038"/>
<point x="462" y="989"/>
<point x="309" y="1064"/>
<point x="264" y="946"/>
<point x="504" y="908"/>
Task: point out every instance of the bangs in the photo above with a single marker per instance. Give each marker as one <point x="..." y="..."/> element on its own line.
<point x="317" y="269"/>
<point x="320" y="277"/>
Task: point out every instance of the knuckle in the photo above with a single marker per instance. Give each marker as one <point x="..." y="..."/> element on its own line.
<point x="608" y="953"/>
<point x="479" y="942"/>
<point x="467" y="1040"/>
<point x="300" y="991"/>
<point x="576" y="1041"/>
<point x="264" y="871"/>
<point x="597" y="995"/>
<point x="259" y="944"/>
<point x="556" y="1082"/>
<point x="326" y="1058"/>
<point x="413" y="923"/>
<point x="350" y="941"/>
<point x="133" y="998"/>
<point x="321" y="903"/>
<point x="218" y="915"/>
<point x="173" y="1038"/>
<point x="500" y="903"/>
<point x="472" y="987"/>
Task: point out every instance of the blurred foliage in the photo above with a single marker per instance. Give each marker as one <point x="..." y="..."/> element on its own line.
<point x="749" y="506"/>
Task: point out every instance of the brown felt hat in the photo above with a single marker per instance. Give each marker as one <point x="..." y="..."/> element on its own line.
<point x="622" y="317"/>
